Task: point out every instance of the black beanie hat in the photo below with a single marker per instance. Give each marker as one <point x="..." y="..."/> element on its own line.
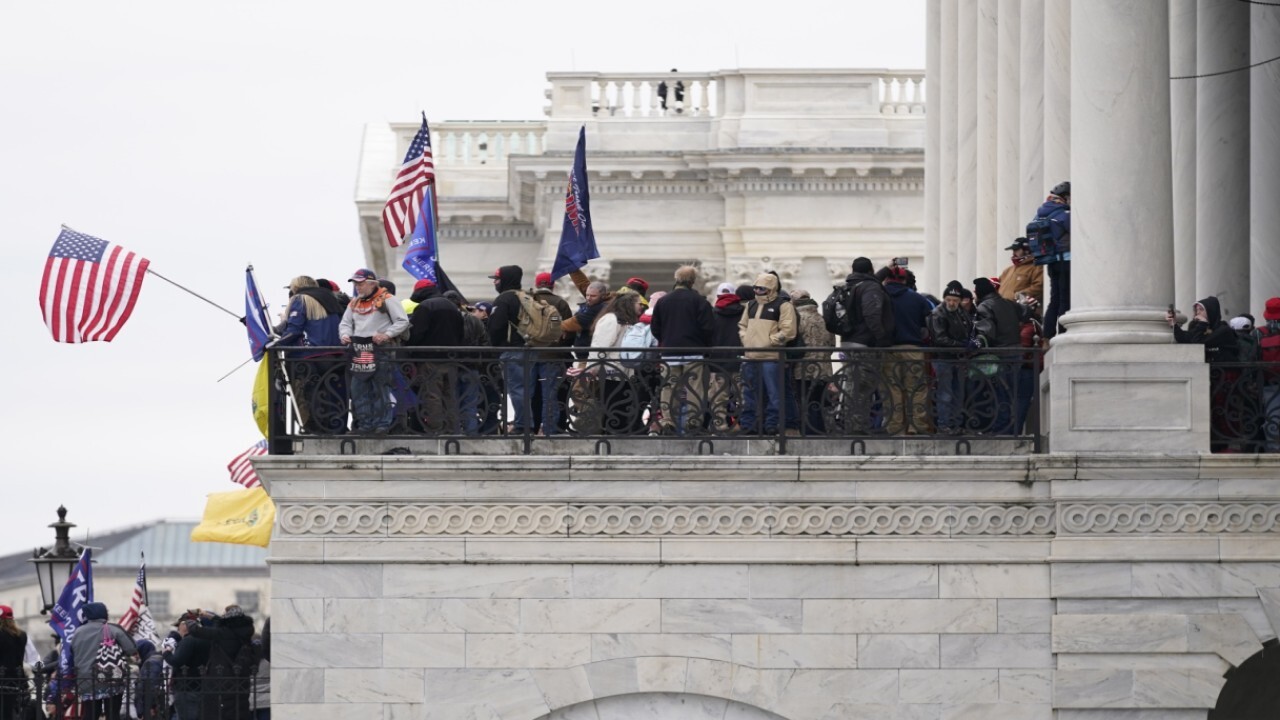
<point x="746" y="293"/>
<point x="983" y="287"/>
<point x="863" y="265"/>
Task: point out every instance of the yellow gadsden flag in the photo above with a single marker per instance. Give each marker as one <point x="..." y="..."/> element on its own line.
<point x="260" y="397"/>
<point x="241" y="517"/>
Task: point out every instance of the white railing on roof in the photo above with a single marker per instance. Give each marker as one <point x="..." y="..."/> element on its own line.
<point x="902" y="93"/>
<point x="475" y="143"/>
<point x="654" y="95"/>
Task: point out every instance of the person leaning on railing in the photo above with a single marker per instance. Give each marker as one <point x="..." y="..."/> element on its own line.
<point x="319" y="386"/>
<point x="766" y="327"/>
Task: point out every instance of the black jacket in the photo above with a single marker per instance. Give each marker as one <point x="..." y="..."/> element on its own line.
<point x="436" y="321"/>
<point x="949" y="329"/>
<point x="225" y="639"/>
<point x="874" y="324"/>
<point x="188" y="661"/>
<point x="998" y="321"/>
<point x="506" y="311"/>
<point x="1219" y="340"/>
<point x="683" y="319"/>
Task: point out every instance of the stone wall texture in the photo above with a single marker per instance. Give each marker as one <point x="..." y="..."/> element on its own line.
<point x="595" y="588"/>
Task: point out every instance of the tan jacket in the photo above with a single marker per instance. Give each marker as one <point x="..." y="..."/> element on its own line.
<point x="771" y="325"/>
<point x="1027" y="278"/>
<point x="814" y="333"/>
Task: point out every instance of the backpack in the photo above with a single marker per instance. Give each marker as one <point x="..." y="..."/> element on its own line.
<point x="109" y="662"/>
<point x="636" y="336"/>
<point x="1269" y="346"/>
<point x="1044" y="237"/>
<point x="839" y="312"/>
<point x="539" y="322"/>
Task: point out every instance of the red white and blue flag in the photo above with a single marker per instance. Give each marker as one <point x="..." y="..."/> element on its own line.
<point x="415" y="178"/>
<point x="241" y="467"/>
<point x="577" y="237"/>
<point x="89" y="287"/>
<point x="130" y="617"/>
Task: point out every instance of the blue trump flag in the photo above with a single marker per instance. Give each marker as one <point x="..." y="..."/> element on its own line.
<point x="577" y="238"/>
<point x="68" y="613"/>
<point x="255" y="316"/>
<point x="422" y="258"/>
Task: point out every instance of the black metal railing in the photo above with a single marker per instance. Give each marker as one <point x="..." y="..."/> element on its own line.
<point x="541" y="394"/>
<point x="151" y="693"/>
<point x="1244" y="407"/>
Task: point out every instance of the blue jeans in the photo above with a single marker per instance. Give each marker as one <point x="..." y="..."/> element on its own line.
<point x="371" y="398"/>
<point x="1025" y="388"/>
<point x="761" y="376"/>
<point x="469" y="401"/>
<point x="949" y="395"/>
<point x="549" y="374"/>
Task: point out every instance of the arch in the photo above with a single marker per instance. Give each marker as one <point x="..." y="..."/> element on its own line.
<point x="669" y="706"/>
<point x="1251" y="691"/>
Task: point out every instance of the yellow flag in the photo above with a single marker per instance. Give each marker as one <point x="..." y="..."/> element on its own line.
<point x="260" y="405"/>
<point x="241" y="517"/>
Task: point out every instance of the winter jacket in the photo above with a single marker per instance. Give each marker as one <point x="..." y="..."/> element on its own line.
<point x="874" y="321"/>
<point x="998" y="322"/>
<point x="188" y="660"/>
<point x="813" y="333"/>
<point x="12" y="649"/>
<point x="1022" y="276"/>
<point x="581" y="322"/>
<point x="950" y="329"/>
<point x="768" y="321"/>
<point x="299" y="329"/>
<point x="378" y="313"/>
<point x="436" y="321"/>
<point x="910" y="314"/>
<point x="725" y="315"/>
<point x="474" y="333"/>
<point x="683" y="320"/>
<point x="1059" y="213"/>
<point x="84" y="653"/>
<point x="149" y="688"/>
<point x="606" y="333"/>
<point x="1219" y="340"/>
<point x="505" y="317"/>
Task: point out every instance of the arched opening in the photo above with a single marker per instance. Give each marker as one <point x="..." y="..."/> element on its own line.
<point x="661" y="706"/>
<point x="1252" y="691"/>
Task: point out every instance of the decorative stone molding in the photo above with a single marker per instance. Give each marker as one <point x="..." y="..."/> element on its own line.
<point x="667" y="520"/>
<point x="1148" y="518"/>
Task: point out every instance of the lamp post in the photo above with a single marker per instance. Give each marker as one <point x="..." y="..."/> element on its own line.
<point x="53" y="564"/>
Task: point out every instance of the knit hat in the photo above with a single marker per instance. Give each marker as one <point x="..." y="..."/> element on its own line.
<point x="543" y="280"/>
<point x="983" y="287"/>
<point x="95" y="611"/>
<point x="863" y="265"/>
<point x="1272" y="312"/>
<point x="232" y="611"/>
<point x="423" y="283"/>
<point x="746" y="293"/>
<point x="953" y="291"/>
<point x="726" y="288"/>
<point x="638" y="284"/>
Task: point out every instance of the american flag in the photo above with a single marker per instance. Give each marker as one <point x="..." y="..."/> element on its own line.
<point x="89" y="288"/>
<point x="416" y="174"/>
<point x="241" y="469"/>
<point x="136" y="603"/>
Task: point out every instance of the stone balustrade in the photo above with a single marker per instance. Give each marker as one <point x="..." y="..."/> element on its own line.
<point x="474" y="143"/>
<point x="902" y="93"/>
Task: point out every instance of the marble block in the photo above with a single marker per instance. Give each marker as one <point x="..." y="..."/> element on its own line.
<point x="796" y="651"/>
<point x="900" y="616"/>
<point x="844" y="581"/>
<point x="994" y="581"/>
<point x="731" y="616"/>
<point x="1119" y="633"/>
<point x="996" y="651"/>
<point x="898" y="651"/>
<point x="949" y="686"/>
<point x="547" y="650"/>
<point x="591" y="616"/>
<point x="373" y="685"/>
<point x="476" y="581"/>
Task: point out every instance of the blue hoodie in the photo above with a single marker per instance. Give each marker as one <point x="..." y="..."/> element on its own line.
<point x="910" y="314"/>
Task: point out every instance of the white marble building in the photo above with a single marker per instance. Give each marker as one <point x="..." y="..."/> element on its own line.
<point x="756" y="168"/>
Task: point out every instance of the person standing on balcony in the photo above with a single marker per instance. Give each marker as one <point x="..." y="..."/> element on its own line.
<point x="766" y="327"/>
<point x="950" y="327"/>
<point x="683" y="320"/>
<point x="13" y="681"/>
<point x="1049" y="238"/>
<point x="594" y="294"/>
<point x="100" y="696"/>
<point x="1207" y="328"/>
<point x="676" y="91"/>
<point x="1023" y="275"/>
<point x="813" y="372"/>
<point x="551" y="403"/>
<point x="997" y="324"/>
<point x="436" y="323"/>
<point x="904" y="370"/>
<point x="869" y="324"/>
<point x="319" y="385"/>
<point x="726" y="311"/>
<point x="517" y="370"/>
<point x="372" y="323"/>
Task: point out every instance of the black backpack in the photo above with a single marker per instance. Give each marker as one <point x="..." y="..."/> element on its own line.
<point x="839" y="313"/>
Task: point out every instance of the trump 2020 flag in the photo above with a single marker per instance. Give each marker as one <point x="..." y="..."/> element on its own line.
<point x="240" y="517"/>
<point x="422" y="257"/>
<point x="89" y="287"/>
<point x="68" y="613"/>
<point x="577" y="238"/>
<point x="255" y="316"/>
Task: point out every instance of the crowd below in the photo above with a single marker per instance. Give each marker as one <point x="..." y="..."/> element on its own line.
<point x="875" y="356"/>
<point x="209" y="667"/>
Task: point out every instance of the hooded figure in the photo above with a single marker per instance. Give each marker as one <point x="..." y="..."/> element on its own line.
<point x="1207" y="328"/>
<point x="769" y="321"/>
<point x="435" y="321"/>
<point x="506" y="308"/>
<point x="870" y="308"/>
<point x="233" y="660"/>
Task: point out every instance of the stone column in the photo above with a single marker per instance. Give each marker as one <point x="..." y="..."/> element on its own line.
<point x="1182" y="102"/>
<point x="1031" y="110"/>
<point x="932" y="145"/>
<point x="1222" y="153"/>
<point x="1057" y="93"/>
<point x="988" y="41"/>
<point x="967" y="132"/>
<point x="1009" y="222"/>
<point x="1110" y="390"/>
<point x="1264" y="178"/>
<point x="948" y="122"/>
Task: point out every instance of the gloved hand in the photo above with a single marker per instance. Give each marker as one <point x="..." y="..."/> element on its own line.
<point x="973" y="344"/>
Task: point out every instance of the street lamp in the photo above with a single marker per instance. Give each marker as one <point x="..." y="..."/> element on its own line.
<point x="54" y="564"/>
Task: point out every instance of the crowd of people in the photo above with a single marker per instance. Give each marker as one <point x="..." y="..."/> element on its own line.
<point x="874" y="356"/>
<point x="209" y="667"/>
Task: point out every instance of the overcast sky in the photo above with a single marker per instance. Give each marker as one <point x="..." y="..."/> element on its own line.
<point x="205" y="136"/>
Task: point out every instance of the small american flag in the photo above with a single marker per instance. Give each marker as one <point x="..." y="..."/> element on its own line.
<point x="364" y="357"/>
<point x="416" y="174"/>
<point x="89" y="288"/>
<point x="130" y="617"/>
<point x="241" y="469"/>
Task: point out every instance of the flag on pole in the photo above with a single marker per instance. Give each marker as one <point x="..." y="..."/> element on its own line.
<point x="577" y="237"/>
<point x="240" y="517"/>
<point x="68" y="613"/>
<point x="417" y="173"/>
<point x="241" y="467"/>
<point x="89" y="287"/>
<point x="136" y="601"/>
<point x="255" y="316"/>
<point x="422" y="256"/>
<point x="260" y="400"/>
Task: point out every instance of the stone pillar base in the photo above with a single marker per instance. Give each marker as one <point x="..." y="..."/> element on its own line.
<point x="1103" y="398"/>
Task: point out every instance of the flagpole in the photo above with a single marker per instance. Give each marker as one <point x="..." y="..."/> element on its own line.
<point x="146" y="597"/>
<point x="189" y="290"/>
<point x="271" y="329"/>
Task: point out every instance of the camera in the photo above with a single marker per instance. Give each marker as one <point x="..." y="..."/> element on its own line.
<point x="901" y="261"/>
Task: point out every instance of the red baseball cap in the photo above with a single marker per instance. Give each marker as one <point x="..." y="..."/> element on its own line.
<point x="6" y="611"/>
<point x="638" y="284"/>
<point x="423" y="283"/>
<point x="543" y="280"/>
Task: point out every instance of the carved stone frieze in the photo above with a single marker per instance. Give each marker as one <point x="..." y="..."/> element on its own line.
<point x="1148" y="518"/>
<point x="668" y="520"/>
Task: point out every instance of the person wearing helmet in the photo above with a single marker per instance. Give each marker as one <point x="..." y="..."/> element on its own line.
<point x="1049" y="236"/>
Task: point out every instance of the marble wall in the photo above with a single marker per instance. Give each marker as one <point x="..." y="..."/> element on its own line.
<point x="582" y="588"/>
